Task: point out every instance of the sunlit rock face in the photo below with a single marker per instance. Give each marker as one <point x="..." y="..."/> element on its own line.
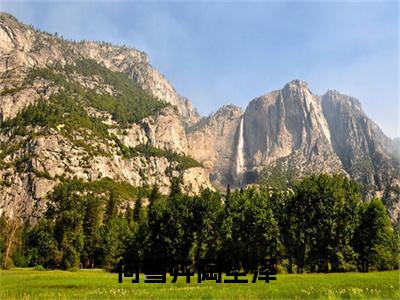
<point x="293" y="131"/>
<point x="286" y="124"/>
<point x="289" y="125"/>
<point x="48" y="154"/>
<point x="213" y="141"/>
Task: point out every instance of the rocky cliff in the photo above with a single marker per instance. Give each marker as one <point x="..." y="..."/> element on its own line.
<point x="285" y="127"/>
<point x="213" y="142"/>
<point x="23" y="47"/>
<point x="87" y="110"/>
<point x="292" y="132"/>
<point x="290" y="128"/>
<point x="366" y="153"/>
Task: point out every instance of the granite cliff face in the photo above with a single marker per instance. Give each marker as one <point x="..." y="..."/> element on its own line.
<point x="285" y="127"/>
<point x="293" y="132"/>
<point x="367" y="155"/>
<point x="396" y="148"/>
<point x="290" y="128"/>
<point x="357" y="139"/>
<point x="59" y="120"/>
<point x="213" y="142"/>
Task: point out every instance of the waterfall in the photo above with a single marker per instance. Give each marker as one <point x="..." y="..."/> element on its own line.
<point x="240" y="156"/>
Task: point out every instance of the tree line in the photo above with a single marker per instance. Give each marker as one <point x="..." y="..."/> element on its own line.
<point x="319" y="225"/>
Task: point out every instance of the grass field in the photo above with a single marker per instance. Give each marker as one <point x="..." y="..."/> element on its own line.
<point x="31" y="284"/>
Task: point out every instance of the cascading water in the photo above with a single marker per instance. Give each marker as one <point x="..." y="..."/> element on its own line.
<point x="240" y="156"/>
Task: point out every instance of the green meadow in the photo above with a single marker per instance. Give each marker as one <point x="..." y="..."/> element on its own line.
<point x="97" y="284"/>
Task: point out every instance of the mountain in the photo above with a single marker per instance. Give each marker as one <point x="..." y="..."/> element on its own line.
<point x="292" y="132"/>
<point x="96" y="111"/>
<point x="89" y="110"/>
<point x="364" y="150"/>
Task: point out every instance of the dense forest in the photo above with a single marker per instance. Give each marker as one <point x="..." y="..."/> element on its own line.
<point x="320" y="224"/>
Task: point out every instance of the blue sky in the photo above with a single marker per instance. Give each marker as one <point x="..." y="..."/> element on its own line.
<point x="217" y="53"/>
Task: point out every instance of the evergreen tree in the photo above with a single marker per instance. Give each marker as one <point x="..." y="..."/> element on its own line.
<point x="116" y="236"/>
<point x="66" y="207"/>
<point x="91" y="231"/>
<point x="138" y="211"/>
<point x="373" y="238"/>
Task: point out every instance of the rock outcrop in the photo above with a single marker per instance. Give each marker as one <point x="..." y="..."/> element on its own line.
<point x="213" y="143"/>
<point x="35" y="157"/>
<point x="22" y="47"/>
<point x="289" y="125"/>
<point x="293" y="132"/>
<point x="366" y="153"/>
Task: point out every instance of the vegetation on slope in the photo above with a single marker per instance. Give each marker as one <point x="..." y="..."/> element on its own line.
<point x="183" y="161"/>
<point x="64" y="111"/>
<point x="61" y="112"/>
<point x="282" y="174"/>
<point x="130" y="104"/>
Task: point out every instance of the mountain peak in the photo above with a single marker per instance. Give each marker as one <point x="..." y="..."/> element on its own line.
<point x="7" y="16"/>
<point x="230" y="108"/>
<point x="296" y="83"/>
<point x="336" y="96"/>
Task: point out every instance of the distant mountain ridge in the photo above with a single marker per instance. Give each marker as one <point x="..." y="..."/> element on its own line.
<point x="94" y="110"/>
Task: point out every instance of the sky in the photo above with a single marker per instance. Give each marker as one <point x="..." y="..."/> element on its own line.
<point x="227" y="52"/>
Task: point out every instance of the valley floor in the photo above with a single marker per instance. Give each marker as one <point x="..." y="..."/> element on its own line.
<point x="97" y="284"/>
